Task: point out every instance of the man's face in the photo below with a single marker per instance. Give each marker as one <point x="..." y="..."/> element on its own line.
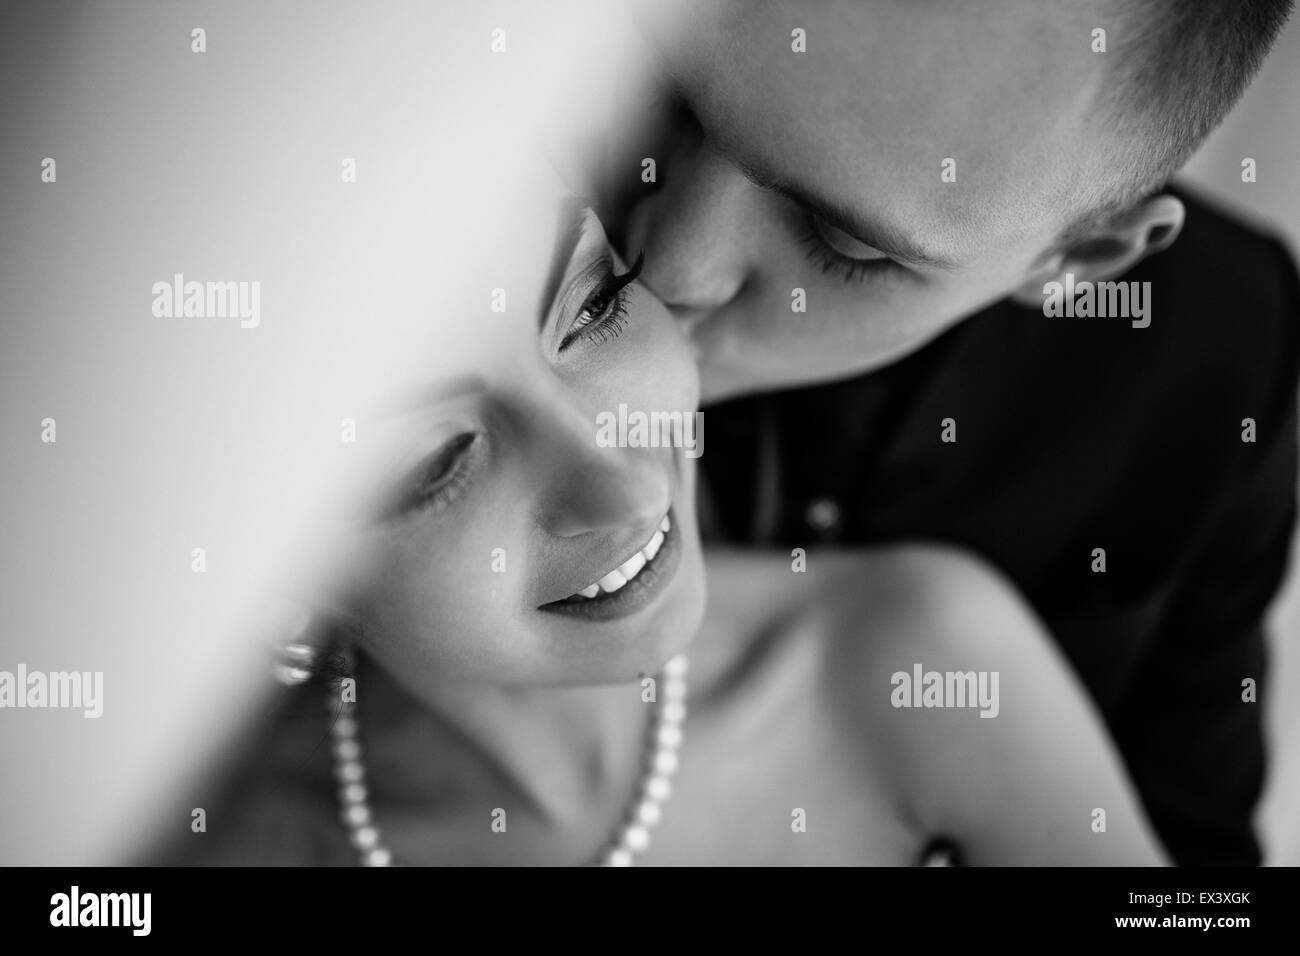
<point x="827" y="171"/>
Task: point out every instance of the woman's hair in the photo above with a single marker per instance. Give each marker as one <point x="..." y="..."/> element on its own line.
<point x="327" y="656"/>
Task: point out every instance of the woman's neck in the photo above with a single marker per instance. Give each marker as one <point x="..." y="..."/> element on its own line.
<point x="560" y="749"/>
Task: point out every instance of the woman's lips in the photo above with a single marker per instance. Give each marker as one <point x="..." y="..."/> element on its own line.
<point x="629" y="569"/>
<point x="630" y="586"/>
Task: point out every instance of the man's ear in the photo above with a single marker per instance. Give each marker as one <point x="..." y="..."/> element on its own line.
<point x="1110" y="250"/>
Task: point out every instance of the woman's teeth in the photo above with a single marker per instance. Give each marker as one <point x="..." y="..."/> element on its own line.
<point x="630" y="568"/>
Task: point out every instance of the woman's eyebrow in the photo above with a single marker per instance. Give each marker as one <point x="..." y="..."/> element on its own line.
<point x="417" y="398"/>
<point x="568" y="230"/>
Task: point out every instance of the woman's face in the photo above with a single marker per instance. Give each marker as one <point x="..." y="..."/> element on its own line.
<point x="507" y="510"/>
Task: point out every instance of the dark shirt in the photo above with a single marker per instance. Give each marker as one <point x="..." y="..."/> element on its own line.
<point x="1075" y="434"/>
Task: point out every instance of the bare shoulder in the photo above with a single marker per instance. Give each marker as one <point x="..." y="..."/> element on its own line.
<point x="926" y="598"/>
<point x="876" y="610"/>
<point x="929" y="639"/>
<point x="976" y="713"/>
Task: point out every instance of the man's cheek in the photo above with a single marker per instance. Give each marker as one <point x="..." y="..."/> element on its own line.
<point x="912" y="320"/>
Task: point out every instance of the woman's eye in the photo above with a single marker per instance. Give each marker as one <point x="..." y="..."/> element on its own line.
<point x="595" y="307"/>
<point x="603" y="314"/>
<point x="436" y="480"/>
<point x="835" y="252"/>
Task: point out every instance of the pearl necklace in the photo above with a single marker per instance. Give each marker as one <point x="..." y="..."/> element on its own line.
<point x="631" y="837"/>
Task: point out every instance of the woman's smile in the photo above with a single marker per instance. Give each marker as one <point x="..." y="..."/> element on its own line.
<point x="631" y="585"/>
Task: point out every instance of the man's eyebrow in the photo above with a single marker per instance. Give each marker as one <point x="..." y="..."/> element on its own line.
<point x="890" y="241"/>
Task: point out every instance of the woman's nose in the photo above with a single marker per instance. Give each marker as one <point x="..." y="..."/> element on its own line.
<point x="693" y="233"/>
<point x="595" y="489"/>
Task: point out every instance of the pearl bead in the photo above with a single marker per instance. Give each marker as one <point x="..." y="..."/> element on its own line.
<point x="669" y="736"/>
<point x="356" y="814"/>
<point x="676" y="667"/>
<point x="673" y="712"/>
<point x="379" y="856"/>
<point x="301" y="653"/>
<point x="365" y="838"/>
<point x="345" y="727"/>
<point x="353" y="793"/>
<point x="674" y="688"/>
<point x="666" y="762"/>
<point x="292" y="674"/>
<point x="636" y="837"/>
<point x="648" y="812"/>
<point x="347" y="748"/>
<point x="350" y="771"/>
<point x="658" y="788"/>
<point x="618" y="857"/>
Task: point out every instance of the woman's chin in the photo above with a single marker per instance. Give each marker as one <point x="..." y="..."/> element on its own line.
<point x="629" y="648"/>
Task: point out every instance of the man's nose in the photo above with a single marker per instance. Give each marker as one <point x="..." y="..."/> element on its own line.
<point x="694" y="233"/>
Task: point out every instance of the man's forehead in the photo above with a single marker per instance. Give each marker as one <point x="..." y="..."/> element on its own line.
<point x="885" y="93"/>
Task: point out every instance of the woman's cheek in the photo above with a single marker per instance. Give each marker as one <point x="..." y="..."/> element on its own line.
<point x="438" y="612"/>
<point x="652" y="368"/>
<point x="417" y="573"/>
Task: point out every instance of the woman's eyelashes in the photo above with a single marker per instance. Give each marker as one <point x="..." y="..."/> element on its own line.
<point x="853" y="266"/>
<point x="603" y="314"/>
<point x="435" y="482"/>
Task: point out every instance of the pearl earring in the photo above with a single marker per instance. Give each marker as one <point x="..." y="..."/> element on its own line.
<point x="296" y="665"/>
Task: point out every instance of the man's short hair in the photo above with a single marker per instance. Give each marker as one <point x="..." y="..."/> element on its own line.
<point x="1176" y="68"/>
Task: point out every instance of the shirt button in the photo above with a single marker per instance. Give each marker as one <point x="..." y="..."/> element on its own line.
<point x="822" y="514"/>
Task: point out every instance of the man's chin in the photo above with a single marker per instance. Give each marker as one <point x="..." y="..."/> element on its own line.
<point x="722" y="384"/>
<point x="751" y="374"/>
